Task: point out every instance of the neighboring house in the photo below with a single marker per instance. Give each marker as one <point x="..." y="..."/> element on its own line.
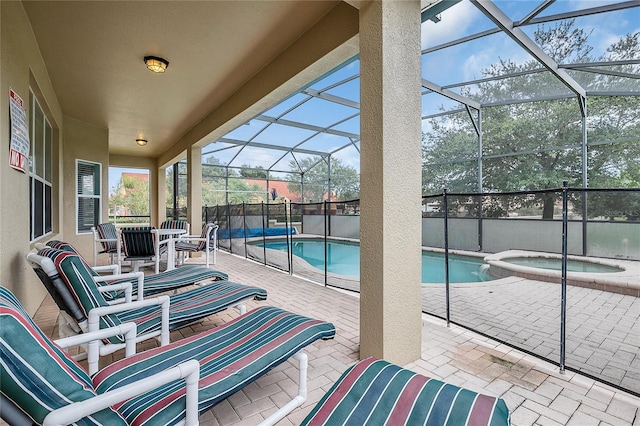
<point x="120" y="210"/>
<point x="281" y="188"/>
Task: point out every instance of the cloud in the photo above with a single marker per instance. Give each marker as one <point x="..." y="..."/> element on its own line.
<point x="454" y="23"/>
<point x="349" y="157"/>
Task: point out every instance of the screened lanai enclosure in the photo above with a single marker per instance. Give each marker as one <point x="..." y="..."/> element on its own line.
<point x="530" y="143"/>
<point x="516" y="95"/>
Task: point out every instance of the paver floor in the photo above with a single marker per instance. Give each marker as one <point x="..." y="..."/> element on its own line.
<point x="603" y="328"/>
<point x="535" y="392"/>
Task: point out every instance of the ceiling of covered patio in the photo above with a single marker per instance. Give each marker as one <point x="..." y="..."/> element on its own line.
<point x="215" y="48"/>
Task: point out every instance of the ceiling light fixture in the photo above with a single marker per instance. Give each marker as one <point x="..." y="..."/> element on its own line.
<point x="156" y="64"/>
<point x="141" y="142"/>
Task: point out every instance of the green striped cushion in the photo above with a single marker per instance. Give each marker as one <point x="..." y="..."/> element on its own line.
<point x="376" y="392"/>
<point x="107" y="231"/>
<point x="157" y="283"/>
<point x="78" y="277"/>
<point x="62" y="245"/>
<point x="175" y="278"/>
<point x="172" y="224"/>
<point x="185" y="308"/>
<point x="36" y="375"/>
<point x="60" y="293"/>
<point x="200" y="245"/>
<point x="231" y="356"/>
<point x="193" y="305"/>
<point x="138" y="242"/>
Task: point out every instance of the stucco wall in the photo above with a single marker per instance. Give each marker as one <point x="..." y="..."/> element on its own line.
<point x="21" y="67"/>
<point x="82" y="141"/>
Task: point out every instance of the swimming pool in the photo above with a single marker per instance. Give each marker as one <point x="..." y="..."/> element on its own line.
<point x="344" y="259"/>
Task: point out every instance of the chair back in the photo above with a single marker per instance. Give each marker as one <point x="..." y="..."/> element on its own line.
<point x="48" y="274"/>
<point x="107" y="231"/>
<point x="78" y="277"/>
<point x="36" y="375"/>
<point x="206" y="234"/>
<point x="174" y="224"/>
<point x="213" y="236"/>
<point x="62" y="245"/>
<point x="138" y="242"/>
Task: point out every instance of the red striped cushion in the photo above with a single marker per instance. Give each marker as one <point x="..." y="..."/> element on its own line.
<point x="193" y="305"/>
<point x="376" y="392"/>
<point x="36" y="374"/>
<point x="62" y="245"/>
<point x="174" y="278"/>
<point x="185" y="307"/>
<point x="173" y="224"/>
<point x="199" y="246"/>
<point x="156" y="283"/>
<point x="107" y="231"/>
<point x="231" y="356"/>
<point x="138" y="242"/>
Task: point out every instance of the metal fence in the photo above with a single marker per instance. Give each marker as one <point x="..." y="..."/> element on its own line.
<point x="140" y="220"/>
<point x="544" y="287"/>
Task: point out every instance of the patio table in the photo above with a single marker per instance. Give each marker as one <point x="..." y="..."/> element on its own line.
<point x="171" y="251"/>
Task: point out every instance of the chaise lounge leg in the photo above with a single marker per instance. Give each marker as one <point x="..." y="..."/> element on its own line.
<point x="242" y="308"/>
<point x="298" y="400"/>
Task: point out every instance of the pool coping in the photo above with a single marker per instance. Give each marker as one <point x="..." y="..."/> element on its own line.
<point x="624" y="282"/>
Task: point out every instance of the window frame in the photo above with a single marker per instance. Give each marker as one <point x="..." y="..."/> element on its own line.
<point x="96" y="196"/>
<point x="45" y="138"/>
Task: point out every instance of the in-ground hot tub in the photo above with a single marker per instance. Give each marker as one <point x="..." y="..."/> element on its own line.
<point x="602" y="274"/>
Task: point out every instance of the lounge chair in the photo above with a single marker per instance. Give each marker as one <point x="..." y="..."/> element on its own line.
<point x="376" y="392"/>
<point x="72" y="277"/>
<point x="141" y="247"/>
<point x="107" y="236"/>
<point x="196" y="243"/>
<point x="42" y="384"/>
<point x="161" y="246"/>
<point x="153" y="284"/>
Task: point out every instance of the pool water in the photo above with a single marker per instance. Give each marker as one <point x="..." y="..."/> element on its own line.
<point x="556" y="264"/>
<point x="344" y="259"/>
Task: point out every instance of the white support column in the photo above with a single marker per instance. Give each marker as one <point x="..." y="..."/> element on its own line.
<point x="161" y="199"/>
<point x="194" y="189"/>
<point x="390" y="183"/>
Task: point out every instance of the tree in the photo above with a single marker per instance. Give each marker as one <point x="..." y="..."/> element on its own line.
<point x="132" y="192"/>
<point x="345" y="180"/>
<point x="214" y="185"/>
<point x="537" y="145"/>
<point x="253" y="172"/>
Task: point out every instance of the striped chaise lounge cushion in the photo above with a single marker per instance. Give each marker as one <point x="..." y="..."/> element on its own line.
<point x="173" y="224"/>
<point x="156" y="283"/>
<point x="231" y="356"/>
<point x="176" y="278"/>
<point x="37" y="376"/>
<point x="376" y="392"/>
<point x="185" y="245"/>
<point x="185" y="308"/>
<point x="107" y="231"/>
<point x="138" y="242"/>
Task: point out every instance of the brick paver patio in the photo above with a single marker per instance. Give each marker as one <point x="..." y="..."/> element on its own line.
<point x="535" y="392"/>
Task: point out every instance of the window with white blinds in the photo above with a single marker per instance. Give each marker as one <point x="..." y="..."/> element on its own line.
<point x="40" y="167"/>
<point x="87" y="195"/>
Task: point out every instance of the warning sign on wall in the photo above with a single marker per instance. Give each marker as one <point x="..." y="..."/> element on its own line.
<point x="19" y="146"/>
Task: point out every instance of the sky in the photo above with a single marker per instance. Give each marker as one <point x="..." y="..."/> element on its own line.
<point x="459" y="63"/>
